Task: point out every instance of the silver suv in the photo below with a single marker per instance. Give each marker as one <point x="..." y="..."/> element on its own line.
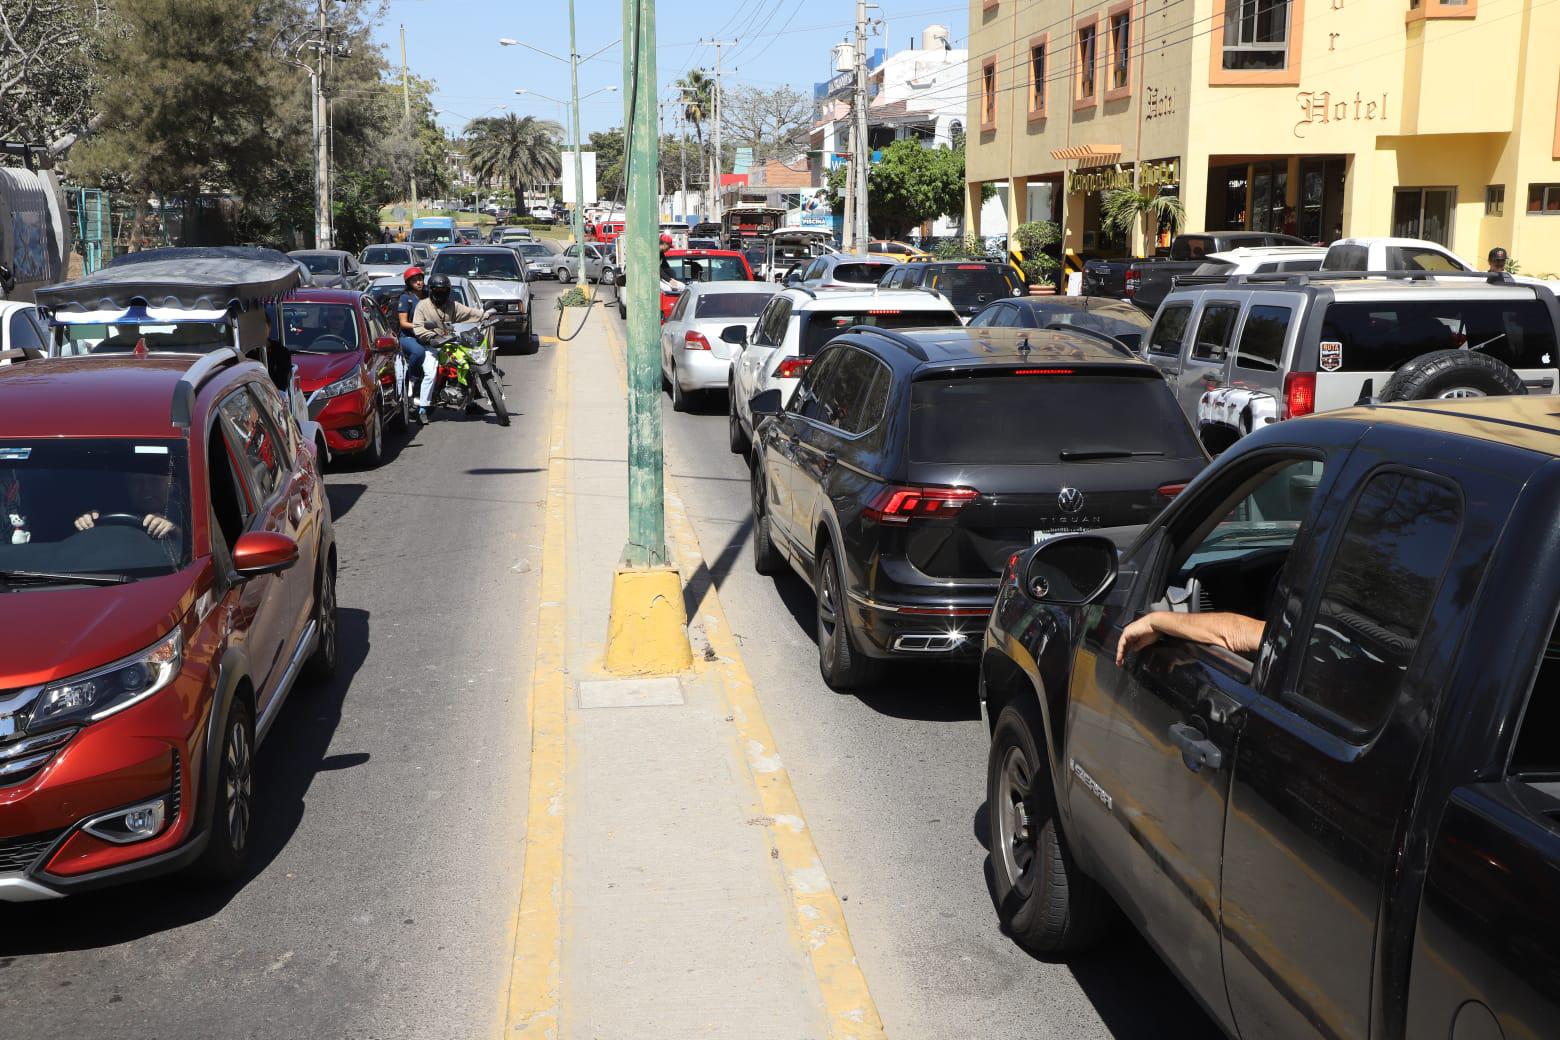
<point x="1259" y="348"/>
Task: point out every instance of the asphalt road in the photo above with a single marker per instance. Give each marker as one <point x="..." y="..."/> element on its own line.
<point x="391" y="802"/>
<point x="893" y="785"/>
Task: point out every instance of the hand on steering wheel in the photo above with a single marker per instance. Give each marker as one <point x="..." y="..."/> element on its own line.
<point x="152" y="523"/>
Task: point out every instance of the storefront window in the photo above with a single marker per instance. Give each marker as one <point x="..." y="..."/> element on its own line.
<point x="1256" y="34"/>
<point x="1321" y="199"/>
<point x="1423" y="213"/>
<point x="1269" y="194"/>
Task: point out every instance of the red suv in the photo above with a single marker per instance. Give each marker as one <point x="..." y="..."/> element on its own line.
<point x="167" y="572"/>
<point x="347" y="360"/>
<point x="703" y="265"/>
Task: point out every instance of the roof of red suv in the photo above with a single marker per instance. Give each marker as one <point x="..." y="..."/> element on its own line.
<point x="703" y="252"/>
<point x="93" y="396"/>
<point x="325" y="296"/>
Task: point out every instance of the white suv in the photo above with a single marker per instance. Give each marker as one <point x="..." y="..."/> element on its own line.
<point x="795" y="326"/>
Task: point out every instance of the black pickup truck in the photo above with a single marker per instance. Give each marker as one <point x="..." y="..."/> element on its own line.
<point x="1353" y="831"/>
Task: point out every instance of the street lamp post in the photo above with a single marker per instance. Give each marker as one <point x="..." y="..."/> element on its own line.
<point x="573" y="61"/>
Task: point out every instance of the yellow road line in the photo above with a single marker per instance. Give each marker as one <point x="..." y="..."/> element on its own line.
<point x="531" y="1007"/>
<point x="818" y="917"/>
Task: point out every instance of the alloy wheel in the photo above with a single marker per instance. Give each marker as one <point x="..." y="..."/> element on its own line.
<point x="327" y="619"/>
<point x="240" y="785"/>
<point x="1016" y="831"/>
<point x="1460" y="392"/>
<point x="828" y="617"/>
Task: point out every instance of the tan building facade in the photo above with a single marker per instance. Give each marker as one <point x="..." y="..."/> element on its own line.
<point x="1436" y="119"/>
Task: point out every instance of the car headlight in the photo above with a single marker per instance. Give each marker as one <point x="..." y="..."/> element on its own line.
<point x="345" y="385"/>
<point x="478" y="354"/>
<point x="112" y="688"/>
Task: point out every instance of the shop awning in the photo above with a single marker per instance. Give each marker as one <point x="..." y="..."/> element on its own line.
<point x="1089" y="154"/>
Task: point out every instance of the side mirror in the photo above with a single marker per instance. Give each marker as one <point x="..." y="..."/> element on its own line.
<point x="387" y="345"/>
<point x="1070" y="570"/>
<point x="263" y="552"/>
<point x="736" y="335"/>
<point x="794" y="278"/>
<point x="765" y="405"/>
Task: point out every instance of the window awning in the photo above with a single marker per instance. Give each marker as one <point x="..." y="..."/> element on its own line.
<point x="1089" y="154"/>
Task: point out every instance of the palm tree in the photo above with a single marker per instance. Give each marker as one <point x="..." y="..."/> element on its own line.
<point x="698" y="97"/>
<point x="516" y="151"/>
<point x="1121" y="207"/>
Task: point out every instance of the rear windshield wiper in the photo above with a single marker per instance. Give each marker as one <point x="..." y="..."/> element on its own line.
<point x="1085" y="454"/>
<point x="76" y="579"/>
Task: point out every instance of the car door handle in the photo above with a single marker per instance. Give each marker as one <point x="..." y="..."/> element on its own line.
<point x="1196" y="749"/>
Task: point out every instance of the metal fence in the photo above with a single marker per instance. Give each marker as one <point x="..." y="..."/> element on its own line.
<point x="92" y="218"/>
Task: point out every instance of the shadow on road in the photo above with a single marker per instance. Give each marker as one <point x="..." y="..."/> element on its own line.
<point x="343" y="497"/>
<point x="499" y="471"/>
<point x="293" y="753"/>
<point x="1133" y="990"/>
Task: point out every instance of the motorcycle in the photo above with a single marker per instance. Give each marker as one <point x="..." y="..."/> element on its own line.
<point x="468" y="370"/>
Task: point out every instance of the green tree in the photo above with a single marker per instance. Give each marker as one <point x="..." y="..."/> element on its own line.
<point x="697" y="92"/>
<point x="909" y="186"/>
<point x="47" y="52"/>
<point x="516" y="151"/>
<point x="1121" y="208"/>
<point x="609" y="148"/>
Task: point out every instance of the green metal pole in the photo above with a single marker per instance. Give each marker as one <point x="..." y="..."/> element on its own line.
<point x="646" y="501"/>
<point x="579" y="162"/>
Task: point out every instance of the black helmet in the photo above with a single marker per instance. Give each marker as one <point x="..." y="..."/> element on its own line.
<point x="439" y="288"/>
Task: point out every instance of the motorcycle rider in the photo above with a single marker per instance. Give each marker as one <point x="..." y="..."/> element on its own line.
<point x="405" y="307"/>
<point x="433" y="322"/>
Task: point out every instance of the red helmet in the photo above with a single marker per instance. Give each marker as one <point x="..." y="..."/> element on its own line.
<point x="666" y="240"/>
<point x="410" y="273"/>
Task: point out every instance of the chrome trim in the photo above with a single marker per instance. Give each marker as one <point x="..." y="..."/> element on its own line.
<point x="31" y="744"/>
<point x="91" y="825"/>
<point x="25" y="890"/>
<point x="870" y="604"/>
<point x="301" y="653"/>
<point x="929" y="643"/>
<point x="24" y="764"/>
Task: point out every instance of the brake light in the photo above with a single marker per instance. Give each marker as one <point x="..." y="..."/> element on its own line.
<point x="899" y="505"/>
<point x="885" y="312"/>
<point x="1042" y="371"/>
<point x="695" y="341"/>
<point x="1134" y="279"/>
<point x="1299" y="394"/>
<point x="970" y="267"/>
<point x="792" y="368"/>
<point x="1171" y="490"/>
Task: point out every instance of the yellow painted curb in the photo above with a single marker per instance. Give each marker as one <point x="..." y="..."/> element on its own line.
<point x="818" y="916"/>
<point x="647" y="631"/>
<point x="531" y="1007"/>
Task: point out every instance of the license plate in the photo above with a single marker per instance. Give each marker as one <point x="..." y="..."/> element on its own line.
<point x="1041" y="534"/>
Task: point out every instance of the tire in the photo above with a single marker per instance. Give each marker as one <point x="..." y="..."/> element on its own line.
<point x="766" y="559"/>
<point x="321" y="664"/>
<point x="1452" y="374"/>
<point x="736" y="437"/>
<point x="495" y="396"/>
<point x="562" y="274"/>
<point x="680" y="397"/>
<point x="403" y="414"/>
<point x="232" y="805"/>
<point x="1044" y="901"/>
<point x="842" y="666"/>
<point x="374" y="454"/>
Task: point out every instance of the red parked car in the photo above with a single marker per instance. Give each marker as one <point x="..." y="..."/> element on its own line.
<point x="703" y="265"/>
<point x="348" y="361"/>
<point x="169" y="573"/>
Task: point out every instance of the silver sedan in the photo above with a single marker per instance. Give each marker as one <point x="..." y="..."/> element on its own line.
<point x="598" y="264"/>
<point x="694" y="357"/>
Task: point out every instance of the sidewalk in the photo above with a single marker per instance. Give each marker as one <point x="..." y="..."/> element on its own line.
<point x="685" y="896"/>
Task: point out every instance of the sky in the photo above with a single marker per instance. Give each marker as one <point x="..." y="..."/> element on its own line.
<point x="780" y="43"/>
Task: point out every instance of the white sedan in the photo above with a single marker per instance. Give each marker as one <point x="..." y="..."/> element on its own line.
<point x="695" y="358"/>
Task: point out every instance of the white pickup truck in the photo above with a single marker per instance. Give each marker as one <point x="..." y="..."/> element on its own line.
<point x="1402" y="254"/>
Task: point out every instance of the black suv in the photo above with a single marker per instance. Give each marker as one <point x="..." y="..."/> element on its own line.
<point x="909" y="466"/>
<point x="968" y="284"/>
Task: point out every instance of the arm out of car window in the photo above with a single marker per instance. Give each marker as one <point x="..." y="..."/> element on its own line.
<point x="1237" y="633"/>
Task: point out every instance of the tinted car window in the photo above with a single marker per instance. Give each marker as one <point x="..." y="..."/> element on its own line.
<point x="258" y="447"/>
<point x="1373" y="606"/>
<point x="1346" y="258"/>
<point x="319" y="263"/>
<point x="841" y="389"/>
<point x="990" y="316"/>
<point x="969" y="285"/>
<point x="818" y="327"/>
<point x="770" y="330"/>
<point x="1005" y="419"/>
<point x="1378" y="337"/>
<point x="1262" y="338"/>
<point x="1123" y="321"/>
<point x="1213" y="331"/>
<point x="319" y="328"/>
<point x="432" y="236"/>
<point x="806" y="400"/>
<point x="387" y="255"/>
<point x="870" y="411"/>
<point x="1169" y="330"/>
<point x="732" y="305"/>
<point x="1409" y="258"/>
<point x="864" y="274"/>
<point x="24" y="333"/>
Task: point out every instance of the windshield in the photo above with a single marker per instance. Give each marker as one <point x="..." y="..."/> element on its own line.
<point x="499" y="265"/>
<point x="432" y="235"/>
<point x="319" y="328"/>
<point x="387" y="255"/>
<point x="975" y="285"/>
<point x="1003" y="418"/>
<point x="185" y="337"/>
<point x="732" y="305"/>
<point x="319" y="263"/>
<point x="534" y="251"/>
<point x="1379" y="337"/>
<point x="707" y="268"/>
<point x="818" y="327"/>
<point x="91" y="507"/>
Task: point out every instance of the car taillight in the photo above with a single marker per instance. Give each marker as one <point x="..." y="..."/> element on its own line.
<point x="1042" y="371"/>
<point x="1299" y="394"/>
<point x="900" y="505"/>
<point x="1134" y="278"/>
<point x="695" y="341"/>
<point x="792" y="368"/>
<point x="1171" y="490"/>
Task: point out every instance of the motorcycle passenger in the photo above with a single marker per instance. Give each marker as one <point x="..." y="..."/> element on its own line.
<point x="405" y="307"/>
<point x="434" y="322"/>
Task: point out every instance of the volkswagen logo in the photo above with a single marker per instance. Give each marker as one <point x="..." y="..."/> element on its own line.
<point x="1069" y="500"/>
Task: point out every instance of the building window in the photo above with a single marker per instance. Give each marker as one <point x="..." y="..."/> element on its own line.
<point x="1424" y="213"/>
<point x="1544" y="200"/>
<point x="1256" y="35"/>
<point x="1037" y="48"/>
<point x="1495" y="200"/>
<point x="1088" y="54"/>
<point x="988" y="94"/>
<point x="1419" y="9"/>
<point x="1120" y="50"/>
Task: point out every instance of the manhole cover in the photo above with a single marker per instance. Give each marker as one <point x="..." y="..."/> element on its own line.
<point x="630" y="693"/>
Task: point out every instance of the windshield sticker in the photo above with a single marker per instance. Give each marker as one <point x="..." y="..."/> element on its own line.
<point x="151" y="449"/>
<point x="1332" y="355"/>
<point x="14" y="454"/>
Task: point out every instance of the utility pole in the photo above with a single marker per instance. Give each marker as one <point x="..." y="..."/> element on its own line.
<point x="579" y="161"/>
<point x="322" y="236"/>
<point x="406" y="108"/>
<point x="715" y="159"/>
<point x="848" y="225"/>
<point x="862" y="147"/>
<point x="682" y="158"/>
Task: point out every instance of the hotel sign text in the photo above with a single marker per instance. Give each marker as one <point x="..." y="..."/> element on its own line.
<point x="1162" y="173"/>
<point x="1320" y="107"/>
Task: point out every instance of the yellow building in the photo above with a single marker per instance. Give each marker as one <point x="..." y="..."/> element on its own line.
<point x="1436" y="119"/>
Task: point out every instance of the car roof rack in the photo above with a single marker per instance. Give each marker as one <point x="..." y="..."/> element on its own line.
<point x="911" y="346"/>
<point x="1105" y="337"/>
<point x="198" y="374"/>
<point x="1306" y="277"/>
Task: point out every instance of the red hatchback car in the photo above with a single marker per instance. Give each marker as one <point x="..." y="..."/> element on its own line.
<point x="348" y="366"/>
<point x="703" y="265"/>
<point x="169" y="572"/>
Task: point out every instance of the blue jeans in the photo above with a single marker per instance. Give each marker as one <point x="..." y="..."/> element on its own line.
<point x="414" y="352"/>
